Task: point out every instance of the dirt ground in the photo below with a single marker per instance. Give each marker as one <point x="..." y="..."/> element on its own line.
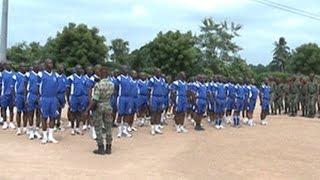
<point x="289" y="148"/>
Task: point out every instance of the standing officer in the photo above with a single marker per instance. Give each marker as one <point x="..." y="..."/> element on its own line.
<point x="102" y="112"/>
<point x="312" y="95"/>
<point x="293" y="96"/>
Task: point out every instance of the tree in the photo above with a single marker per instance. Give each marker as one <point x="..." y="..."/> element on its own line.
<point x="216" y="43"/>
<point x="120" y="50"/>
<point x="281" y="54"/>
<point x="77" y="44"/>
<point x="172" y="52"/>
<point x="306" y="59"/>
<point x="24" y="52"/>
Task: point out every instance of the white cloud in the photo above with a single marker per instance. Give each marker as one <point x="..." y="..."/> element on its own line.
<point x="139" y="11"/>
<point x="205" y="5"/>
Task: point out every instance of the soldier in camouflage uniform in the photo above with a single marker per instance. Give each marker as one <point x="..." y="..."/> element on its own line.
<point x="303" y="96"/>
<point x="278" y="101"/>
<point x="272" y="85"/>
<point x="293" y="96"/>
<point x="312" y="93"/>
<point x="102" y="113"/>
<point x="285" y="93"/>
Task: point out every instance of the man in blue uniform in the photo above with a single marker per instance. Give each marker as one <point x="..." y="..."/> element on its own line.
<point x="231" y="97"/>
<point x="48" y="101"/>
<point x="33" y="101"/>
<point x="124" y="102"/>
<point x="134" y="97"/>
<point x="75" y="94"/>
<point x="240" y="93"/>
<point x="253" y="95"/>
<point x="180" y="90"/>
<point x="200" y="94"/>
<point x="7" y="95"/>
<point x="156" y="87"/>
<point x="265" y="101"/>
<point x="62" y="87"/>
<point x="89" y="84"/>
<point x="143" y="98"/>
<point x="21" y="82"/>
<point x="221" y="95"/>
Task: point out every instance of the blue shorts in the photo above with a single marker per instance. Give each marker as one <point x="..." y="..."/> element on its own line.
<point x="7" y="100"/>
<point x="157" y="104"/>
<point x="239" y="105"/>
<point x="201" y="106"/>
<point x="20" y="102"/>
<point x="125" y="105"/>
<point x="265" y="105"/>
<point x="78" y="103"/>
<point x="61" y="100"/>
<point x="32" y="102"/>
<point x="220" y="106"/>
<point x="142" y="102"/>
<point x="181" y="104"/>
<point x="252" y="105"/>
<point x="49" y="107"/>
<point x="230" y="103"/>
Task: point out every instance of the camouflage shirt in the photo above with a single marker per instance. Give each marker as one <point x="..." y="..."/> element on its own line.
<point x="312" y="87"/>
<point x="102" y="93"/>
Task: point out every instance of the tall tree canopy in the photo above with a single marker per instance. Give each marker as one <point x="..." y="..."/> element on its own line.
<point x="306" y="59"/>
<point x="77" y="44"/>
<point x="171" y="52"/>
<point x="120" y="51"/>
<point x="24" y="52"/>
<point x="281" y="54"/>
<point x="216" y="43"/>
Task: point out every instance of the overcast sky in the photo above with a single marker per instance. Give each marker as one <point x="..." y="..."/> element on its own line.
<point x="138" y="21"/>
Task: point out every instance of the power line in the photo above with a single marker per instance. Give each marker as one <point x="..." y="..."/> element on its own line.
<point x="292" y="8"/>
<point x="287" y="10"/>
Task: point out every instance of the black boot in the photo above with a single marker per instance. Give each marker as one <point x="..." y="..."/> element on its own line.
<point x="198" y="127"/>
<point x="100" y="150"/>
<point x="108" y="149"/>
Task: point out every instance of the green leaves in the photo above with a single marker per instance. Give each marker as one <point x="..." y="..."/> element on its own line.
<point x="306" y="59"/>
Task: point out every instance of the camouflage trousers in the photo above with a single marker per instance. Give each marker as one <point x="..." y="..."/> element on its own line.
<point x="293" y="102"/>
<point x="312" y="100"/>
<point x="102" y="122"/>
<point x="304" y="107"/>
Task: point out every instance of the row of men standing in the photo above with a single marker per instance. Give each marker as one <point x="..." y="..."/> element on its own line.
<point x="293" y="94"/>
<point x="41" y="93"/>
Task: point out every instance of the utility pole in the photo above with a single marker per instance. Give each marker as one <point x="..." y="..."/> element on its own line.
<point x="4" y="31"/>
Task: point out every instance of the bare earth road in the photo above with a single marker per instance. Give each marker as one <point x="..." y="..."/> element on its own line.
<point x="289" y="148"/>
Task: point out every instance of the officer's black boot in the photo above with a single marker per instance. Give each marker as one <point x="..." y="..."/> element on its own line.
<point x="100" y="150"/>
<point x="108" y="149"/>
<point x="199" y="127"/>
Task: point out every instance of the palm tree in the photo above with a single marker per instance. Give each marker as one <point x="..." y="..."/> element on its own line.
<point x="281" y="54"/>
<point x="120" y="49"/>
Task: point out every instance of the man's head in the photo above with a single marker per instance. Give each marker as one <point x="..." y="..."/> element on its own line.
<point x="157" y="73"/>
<point x="48" y="64"/>
<point x="35" y="66"/>
<point x="181" y="76"/>
<point x="103" y="72"/>
<point x="311" y="76"/>
<point x="143" y="76"/>
<point x="60" y="68"/>
<point x="22" y="68"/>
<point x="124" y="70"/>
<point x="97" y="69"/>
<point x="78" y="69"/>
<point x="89" y="71"/>
<point x="134" y="74"/>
